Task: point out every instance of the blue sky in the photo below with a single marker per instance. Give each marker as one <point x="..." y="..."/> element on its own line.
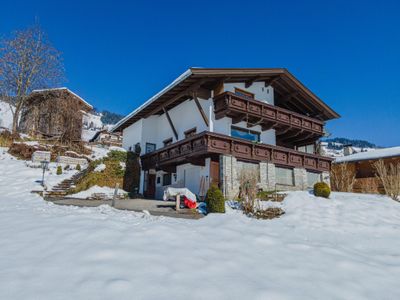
<point x="117" y="54"/>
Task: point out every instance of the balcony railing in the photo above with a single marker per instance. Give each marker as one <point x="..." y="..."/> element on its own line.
<point x="207" y="143"/>
<point x="268" y="116"/>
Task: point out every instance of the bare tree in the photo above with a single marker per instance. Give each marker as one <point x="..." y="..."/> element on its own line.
<point x="389" y="174"/>
<point x="28" y="61"/>
<point x="342" y="177"/>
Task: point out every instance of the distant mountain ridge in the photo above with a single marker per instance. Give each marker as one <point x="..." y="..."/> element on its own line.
<point x="108" y="117"/>
<point x="339" y="142"/>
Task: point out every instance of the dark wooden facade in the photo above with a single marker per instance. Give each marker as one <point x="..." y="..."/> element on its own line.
<point x="54" y="113"/>
<point x="364" y="173"/>
<point x="206" y="144"/>
<point x="290" y="127"/>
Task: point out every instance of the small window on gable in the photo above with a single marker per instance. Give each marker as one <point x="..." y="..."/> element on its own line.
<point x="150" y="147"/>
<point x="244" y="93"/>
<point x="190" y="132"/>
<point x="167" y="142"/>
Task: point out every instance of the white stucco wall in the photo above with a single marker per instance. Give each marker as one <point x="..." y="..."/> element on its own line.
<point x="156" y="129"/>
<point x="187" y="175"/>
<point x="259" y="90"/>
<point x="132" y="135"/>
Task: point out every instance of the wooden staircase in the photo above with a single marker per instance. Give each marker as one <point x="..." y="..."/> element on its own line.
<point x="61" y="190"/>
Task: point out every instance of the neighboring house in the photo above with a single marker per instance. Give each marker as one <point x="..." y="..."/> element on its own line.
<point x="105" y="137"/>
<point x="361" y="165"/>
<point x="54" y="113"/>
<point x="210" y="124"/>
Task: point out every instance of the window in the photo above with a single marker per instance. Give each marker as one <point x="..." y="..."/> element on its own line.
<point x="245" y="134"/>
<point x="167" y="142"/>
<point x="313" y="178"/>
<point x="150" y="147"/>
<point x="158" y="179"/>
<point x="284" y="176"/>
<point x="244" y="94"/>
<point x="307" y="149"/>
<point x="190" y="132"/>
<point x="166" y="179"/>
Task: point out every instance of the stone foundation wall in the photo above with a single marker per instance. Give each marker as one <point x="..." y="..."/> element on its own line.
<point x="230" y="169"/>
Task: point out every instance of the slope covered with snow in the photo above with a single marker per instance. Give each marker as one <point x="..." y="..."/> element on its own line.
<point x="346" y="247"/>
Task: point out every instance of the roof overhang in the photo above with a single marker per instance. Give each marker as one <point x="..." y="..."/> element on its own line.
<point x="88" y="106"/>
<point x="292" y="92"/>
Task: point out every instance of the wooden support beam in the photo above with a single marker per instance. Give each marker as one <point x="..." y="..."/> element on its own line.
<point x="288" y="137"/>
<point x="202" y="113"/>
<point x="307" y="137"/>
<point x="181" y="94"/>
<point x="170" y="123"/>
<point x="287" y="97"/>
<point x="238" y="118"/>
<point x="248" y="83"/>
<point x="271" y="81"/>
<point x="284" y="131"/>
<point x="258" y="122"/>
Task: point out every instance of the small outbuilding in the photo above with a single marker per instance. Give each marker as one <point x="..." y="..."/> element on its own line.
<point x="361" y="166"/>
<point x="54" y="113"/>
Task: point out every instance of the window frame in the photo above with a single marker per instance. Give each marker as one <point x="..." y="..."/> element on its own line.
<point x="248" y="131"/>
<point x="150" y="144"/>
<point x="293" y="183"/>
<point x="165" y="175"/>
<point x="244" y="93"/>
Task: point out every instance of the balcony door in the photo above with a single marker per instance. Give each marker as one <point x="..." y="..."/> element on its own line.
<point x="151" y="186"/>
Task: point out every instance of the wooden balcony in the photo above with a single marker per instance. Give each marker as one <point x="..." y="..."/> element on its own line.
<point x="196" y="148"/>
<point x="290" y="126"/>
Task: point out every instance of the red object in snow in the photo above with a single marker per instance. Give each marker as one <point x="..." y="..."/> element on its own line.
<point x="188" y="203"/>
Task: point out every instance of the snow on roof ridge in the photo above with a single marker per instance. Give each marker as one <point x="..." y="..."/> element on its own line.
<point x="63" y="88"/>
<point x="179" y="79"/>
<point x="373" y="154"/>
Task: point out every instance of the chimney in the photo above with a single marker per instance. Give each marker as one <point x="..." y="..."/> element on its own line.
<point x="348" y="149"/>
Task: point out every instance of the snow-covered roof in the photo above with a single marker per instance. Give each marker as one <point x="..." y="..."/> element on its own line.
<point x="370" y="155"/>
<point x="63" y="89"/>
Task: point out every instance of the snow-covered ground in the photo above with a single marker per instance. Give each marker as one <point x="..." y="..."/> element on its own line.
<point x="98" y="190"/>
<point x="346" y="247"/>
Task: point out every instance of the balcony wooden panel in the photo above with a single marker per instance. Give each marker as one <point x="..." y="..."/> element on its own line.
<point x="268" y="116"/>
<point x="209" y="143"/>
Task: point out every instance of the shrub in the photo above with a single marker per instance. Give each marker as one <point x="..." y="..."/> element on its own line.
<point x="343" y="177"/>
<point x="78" y="167"/>
<point x="322" y="189"/>
<point x="215" y="200"/>
<point x="59" y="170"/>
<point x="117" y="155"/>
<point x="389" y="174"/>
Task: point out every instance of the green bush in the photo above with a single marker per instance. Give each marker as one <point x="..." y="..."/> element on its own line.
<point x="117" y="155"/>
<point x="321" y="189"/>
<point x="78" y="167"/>
<point x="59" y="170"/>
<point x="215" y="200"/>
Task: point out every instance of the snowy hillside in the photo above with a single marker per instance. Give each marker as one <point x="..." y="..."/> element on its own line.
<point x="337" y="150"/>
<point x="92" y="123"/>
<point x="5" y="115"/>
<point x="346" y="247"/>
